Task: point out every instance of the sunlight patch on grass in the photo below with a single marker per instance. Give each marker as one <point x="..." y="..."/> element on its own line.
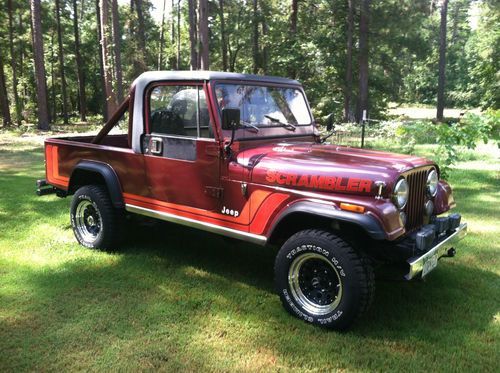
<point x="496" y="319"/>
<point x="482" y="228"/>
<point x="478" y="165"/>
<point x="196" y="272"/>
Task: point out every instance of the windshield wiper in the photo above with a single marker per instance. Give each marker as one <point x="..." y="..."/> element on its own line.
<point x="249" y="126"/>
<point x="288" y="126"/>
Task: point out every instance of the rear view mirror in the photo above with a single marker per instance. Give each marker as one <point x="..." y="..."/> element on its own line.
<point x="230" y="118"/>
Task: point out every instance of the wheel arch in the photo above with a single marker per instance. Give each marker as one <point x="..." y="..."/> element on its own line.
<point x="97" y="173"/>
<point x="307" y="214"/>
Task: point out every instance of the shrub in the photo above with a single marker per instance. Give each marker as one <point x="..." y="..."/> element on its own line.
<point x="467" y="132"/>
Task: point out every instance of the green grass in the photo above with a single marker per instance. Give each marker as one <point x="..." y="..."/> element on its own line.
<point x="175" y="299"/>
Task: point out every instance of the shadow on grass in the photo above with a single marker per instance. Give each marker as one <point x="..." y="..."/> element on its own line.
<point x="209" y="252"/>
<point x="170" y="291"/>
<point x="398" y="306"/>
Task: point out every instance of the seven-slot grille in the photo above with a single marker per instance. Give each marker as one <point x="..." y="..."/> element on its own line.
<point x="417" y="182"/>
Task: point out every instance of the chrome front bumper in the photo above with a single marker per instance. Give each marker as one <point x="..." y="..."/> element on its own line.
<point x="416" y="263"/>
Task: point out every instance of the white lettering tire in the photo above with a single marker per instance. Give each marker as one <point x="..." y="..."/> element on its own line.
<point x="322" y="280"/>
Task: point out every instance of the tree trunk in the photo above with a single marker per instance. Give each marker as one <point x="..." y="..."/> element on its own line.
<point x="41" y="83"/>
<point x="223" y="39"/>
<point x="293" y="17"/>
<point x="292" y="71"/>
<point x="61" y="63"/>
<point x="13" y="63"/>
<point x="142" y="33"/>
<point x="79" y="66"/>
<point x="82" y="12"/>
<point x="192" y="34"/>
<point x="442" y="61"/>
<point x="265" y="48"/>
<point x="203" y="29"/>
<point x="455" y="21"/>
<point x="105" y="113"/>
<point x="234" y="53"/>
<point x="4" y="99"/>
<point x="255" y="38"/>
<point x="178" y="59"/>
<point x="172" y="31"/>
<point x="363" y="59"/>
<point x="162" y="36"/>
<point x="52" y="90"/>
<point x="117" y="49"/>
<point x="108" y="78"/>
<point x="21" y="64"/>
<point x="348" y="69"/>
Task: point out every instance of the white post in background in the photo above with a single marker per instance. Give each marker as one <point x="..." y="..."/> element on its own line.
<point x="363" y="123"/>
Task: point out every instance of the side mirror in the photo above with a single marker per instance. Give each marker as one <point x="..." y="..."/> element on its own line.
<point x="230" y="118"/>
<point x="329" y="122"/>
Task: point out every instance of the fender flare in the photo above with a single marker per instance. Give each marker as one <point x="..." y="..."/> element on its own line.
<point x="367" y="222"/>
<point x="107" y="173"/>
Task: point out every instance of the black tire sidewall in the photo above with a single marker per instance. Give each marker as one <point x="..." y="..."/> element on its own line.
<point x="337" y="253"/>
<point x="91" y="194"/>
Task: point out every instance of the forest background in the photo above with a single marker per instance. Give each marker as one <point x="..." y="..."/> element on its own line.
<point x="71" y="60"/>
<point x="211" y="306"/>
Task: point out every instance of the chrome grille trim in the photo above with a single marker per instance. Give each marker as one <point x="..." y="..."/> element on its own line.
<point x="417" y="182"/>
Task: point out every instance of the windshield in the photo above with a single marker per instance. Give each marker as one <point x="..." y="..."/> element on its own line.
<point x="263" y="106"/>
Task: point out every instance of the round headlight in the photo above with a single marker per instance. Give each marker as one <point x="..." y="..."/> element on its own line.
<point x="400" y="194"/>
<point x="432" y="182"/>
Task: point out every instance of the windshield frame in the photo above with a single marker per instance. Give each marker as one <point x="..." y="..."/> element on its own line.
<point x="265" y="128"/>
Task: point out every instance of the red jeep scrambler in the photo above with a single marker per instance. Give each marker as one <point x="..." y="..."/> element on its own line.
<point x="239" y="155"/>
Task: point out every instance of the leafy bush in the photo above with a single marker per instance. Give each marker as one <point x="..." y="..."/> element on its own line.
<point x="466" y="133"/>
<point x="420" y="132"/>
<point x="452" y="138"/>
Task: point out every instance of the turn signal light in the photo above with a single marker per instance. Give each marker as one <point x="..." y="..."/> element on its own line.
<point x="351" y="207"/>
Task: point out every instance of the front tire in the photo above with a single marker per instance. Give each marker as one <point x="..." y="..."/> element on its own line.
<point x="322" y="280"/>
<point x="95" y="222"/>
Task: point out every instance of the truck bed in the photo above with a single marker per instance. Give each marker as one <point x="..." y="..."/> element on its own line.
<point x="119" y="141"/>
<point x="62" y="154"/>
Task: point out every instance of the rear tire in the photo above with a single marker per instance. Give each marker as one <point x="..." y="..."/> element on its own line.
<point x="322" y="280"/>
<point x="95" y="222"/>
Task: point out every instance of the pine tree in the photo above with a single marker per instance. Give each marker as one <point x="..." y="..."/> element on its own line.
<point x="106" y="57"/>
<point x="61" y="63"/>
<point x="442" y="61"/>
<point x="79" y="66"/>
<point x="41" y="83"/>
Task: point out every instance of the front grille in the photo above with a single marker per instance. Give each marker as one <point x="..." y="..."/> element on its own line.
<point x="417" y="182"/>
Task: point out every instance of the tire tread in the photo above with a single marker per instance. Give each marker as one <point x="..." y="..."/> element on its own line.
<point x="362" y="267"/>
<point x="113" y="216"/>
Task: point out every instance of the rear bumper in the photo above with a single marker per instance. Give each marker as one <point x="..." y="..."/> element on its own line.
<point x="416" y="263"/>
<point x="43" y="189"/>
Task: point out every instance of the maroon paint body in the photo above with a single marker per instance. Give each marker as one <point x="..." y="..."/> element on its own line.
<point x="264" y="176"/>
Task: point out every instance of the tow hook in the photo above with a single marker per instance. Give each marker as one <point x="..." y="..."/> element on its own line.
<point x="451" y="252"/>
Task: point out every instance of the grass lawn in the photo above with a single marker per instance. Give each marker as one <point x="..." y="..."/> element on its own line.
<point x="179" y="299"/>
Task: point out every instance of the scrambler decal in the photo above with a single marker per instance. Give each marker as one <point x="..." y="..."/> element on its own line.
<point x="351" y="184"/>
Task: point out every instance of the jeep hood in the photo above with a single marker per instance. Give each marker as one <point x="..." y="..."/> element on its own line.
<point x="326" y="167"/>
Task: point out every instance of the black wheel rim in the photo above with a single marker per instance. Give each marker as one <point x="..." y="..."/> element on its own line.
<point x="315" y="283"/>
